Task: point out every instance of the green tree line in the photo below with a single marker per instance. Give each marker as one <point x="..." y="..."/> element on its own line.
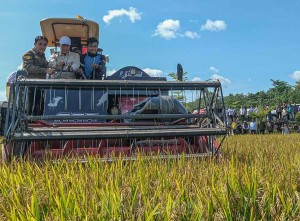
<point x="280" y="92"/>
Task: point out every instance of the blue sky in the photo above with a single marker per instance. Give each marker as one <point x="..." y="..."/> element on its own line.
<point x="243" y="43"/>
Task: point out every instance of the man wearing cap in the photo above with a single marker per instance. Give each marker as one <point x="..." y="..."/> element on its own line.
<point x="34" y="60"/>
<point x="65" y="62"/>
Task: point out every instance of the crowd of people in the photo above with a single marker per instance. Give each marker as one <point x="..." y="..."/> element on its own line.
<point x="279" y="120"/>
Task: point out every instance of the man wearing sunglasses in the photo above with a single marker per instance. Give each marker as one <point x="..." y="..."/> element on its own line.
<point x="34" y="60"/>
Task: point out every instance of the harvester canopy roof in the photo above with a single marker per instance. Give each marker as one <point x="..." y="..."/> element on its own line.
<point x="55" y="28"/>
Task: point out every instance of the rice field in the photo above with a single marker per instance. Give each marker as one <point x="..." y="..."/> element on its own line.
<point x="258" y="177"/>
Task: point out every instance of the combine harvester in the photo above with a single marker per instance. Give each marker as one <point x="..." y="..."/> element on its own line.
<point x="124" y="114"/>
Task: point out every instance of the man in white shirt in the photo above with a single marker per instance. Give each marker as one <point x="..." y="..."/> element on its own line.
<point x="230" y="113"/>
<point x="65" y="62"/>
<point x="249" y="111"/>
<point x="242" y="113"/>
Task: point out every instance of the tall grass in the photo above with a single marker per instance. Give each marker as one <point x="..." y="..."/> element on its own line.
<point x="258" y="177"/>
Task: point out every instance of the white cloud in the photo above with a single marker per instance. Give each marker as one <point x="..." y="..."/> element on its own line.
<point x="168" y="29"/>
<point x="153" y="72"/>
<point x="132" y="14"/>
<point x="223" y="80"/>
<point x="215" y="76"/>
<point x="191" y="34"/>
<point x="217" y="25"/>
<point x="214" y="70"/>
<point x="110" y="72"/>
<point x="295" y="75"/>
<point x="196" y="79"/>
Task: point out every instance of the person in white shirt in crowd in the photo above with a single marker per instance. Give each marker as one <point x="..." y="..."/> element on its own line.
<point x="249" y="111"/>
<point x="284" y="114"/>
<point x="12" y="77"/>
<point x="242" y="113"/>
<point x="253" y="126"/>
<point x="65" y="62"/>
<point x="230" y="113"/>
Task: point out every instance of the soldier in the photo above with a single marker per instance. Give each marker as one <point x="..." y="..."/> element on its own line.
<point x="36" y="66"/>
<point x="65" y="62"/>
<point x="34" y="60"/>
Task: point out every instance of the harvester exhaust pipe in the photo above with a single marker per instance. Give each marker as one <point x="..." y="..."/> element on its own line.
<point x="179" y="72"/>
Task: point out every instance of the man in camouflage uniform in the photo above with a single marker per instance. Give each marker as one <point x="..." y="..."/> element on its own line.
<point x="34" y="60"/>
<point x="36" y="66"/>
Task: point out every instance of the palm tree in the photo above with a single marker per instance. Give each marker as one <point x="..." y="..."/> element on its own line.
<point x="178" y="94"/>
<point x="174" y="76"/>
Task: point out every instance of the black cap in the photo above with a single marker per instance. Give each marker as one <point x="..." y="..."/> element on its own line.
<point x="37" y="38"/>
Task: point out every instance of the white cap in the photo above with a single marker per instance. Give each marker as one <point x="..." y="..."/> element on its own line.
<point x="65" y="40"/>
